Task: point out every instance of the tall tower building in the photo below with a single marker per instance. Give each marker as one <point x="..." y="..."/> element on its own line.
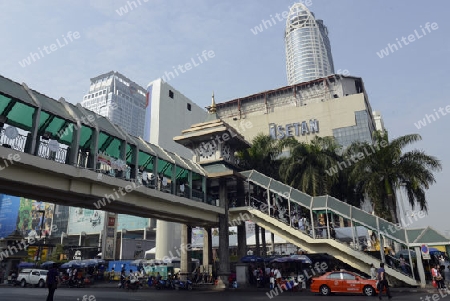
<point x="119" y="99"/>
<point x="308" y="49"/>
<point x="379" y="124"/>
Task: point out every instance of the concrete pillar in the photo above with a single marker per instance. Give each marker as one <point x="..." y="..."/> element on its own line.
<point x="186" y="238"/>
<point x="167" y="239"/>
<point x="420" y="267"/>
<point x="263" y="238"/>
<point x="33" y="138"/>
<point x="207" y="247"/>
<point x="224" y="257"/>
<point x="257" y="249"/>
<point x="272" y="238"/>
<point x="242" y="240"/>
<point x="383" y="258"/>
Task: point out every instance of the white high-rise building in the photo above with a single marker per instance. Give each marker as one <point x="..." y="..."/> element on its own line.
<point x="168" y="113"/>
<point x="119" y="99"/>
<point x="379" y="124"/>
<point x="308" y="49"/>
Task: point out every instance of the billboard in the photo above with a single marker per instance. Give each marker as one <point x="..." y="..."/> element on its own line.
<point x="9" y="210"/>
<point x="85" y="220"/>
<point x="130" y="222"/>
<point x="33" y="216"/>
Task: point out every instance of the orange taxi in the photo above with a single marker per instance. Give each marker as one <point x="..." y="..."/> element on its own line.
<point x="343" y="282"/>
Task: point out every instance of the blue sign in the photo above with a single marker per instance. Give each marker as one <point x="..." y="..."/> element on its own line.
<point x="424" y="249"/>
<point x="9" y="210"/>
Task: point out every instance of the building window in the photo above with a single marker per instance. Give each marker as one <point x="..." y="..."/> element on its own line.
<point x="170" y="93"/>
<point x="189" y="106"/>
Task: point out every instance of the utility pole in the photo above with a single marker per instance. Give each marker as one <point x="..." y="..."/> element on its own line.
<point x="38" y="254"/>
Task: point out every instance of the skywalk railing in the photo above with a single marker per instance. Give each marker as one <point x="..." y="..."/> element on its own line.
<point x="49" y="150"/>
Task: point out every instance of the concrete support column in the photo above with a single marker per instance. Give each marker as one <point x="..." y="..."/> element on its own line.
<point x="186" y="238"/>
<point x="224" y="257"/>
<point x="257" y="249"/>
<point x="242" y="240"/>
<point x="207" y="247"/>
<point x="167" y="239"/>
<point x="263" y="239"/>
<point x="383" y="258"/>
<point x="272" y="238"/>
<point x="420" y="267"/>
<point x="33" y="138"/>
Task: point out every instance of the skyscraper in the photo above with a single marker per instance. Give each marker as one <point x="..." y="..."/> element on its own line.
<point x="308" y="50"/>
<point x="119" y="99"/>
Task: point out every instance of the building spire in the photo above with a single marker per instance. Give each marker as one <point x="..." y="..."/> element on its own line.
<point x="212" y="109"/>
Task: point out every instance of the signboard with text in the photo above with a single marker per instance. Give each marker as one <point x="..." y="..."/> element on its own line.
<point x="425" y="252"/>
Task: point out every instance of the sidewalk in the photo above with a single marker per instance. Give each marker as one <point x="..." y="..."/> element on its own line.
<point x="429" y="289"/>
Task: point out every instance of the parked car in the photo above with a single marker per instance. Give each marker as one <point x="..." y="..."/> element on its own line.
<point x="34" y="277"/>
<point x="343" y="282"/>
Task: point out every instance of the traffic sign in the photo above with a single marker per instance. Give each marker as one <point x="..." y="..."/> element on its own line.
<point x="425" y="252"/>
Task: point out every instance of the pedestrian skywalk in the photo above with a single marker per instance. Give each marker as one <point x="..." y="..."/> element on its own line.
<point x="274" y="206"/>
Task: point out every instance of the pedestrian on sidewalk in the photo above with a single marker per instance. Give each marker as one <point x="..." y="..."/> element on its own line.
<point x="383" y="282"/>
<point x="52" y="282"/>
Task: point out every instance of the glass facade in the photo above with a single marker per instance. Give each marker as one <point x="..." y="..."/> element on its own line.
<point x="362" y="131"/>
<point x="308" y="49"/>
<point x="117" y="98"/>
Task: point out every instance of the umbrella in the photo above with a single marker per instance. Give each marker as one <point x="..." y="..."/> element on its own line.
<point x="71" y="264"/>
<point x="138" y="262"/>
<point x="251" y="258"/>
<point x="302" y="258"/>
<point x="434" y="250"/>
<point x="47" y="264"/>
<point x="88" y="263"/>
<point x="298" y="258"/>
<point x="405" y="254"/>
<point x="26" y="265"/>
<point x="100" y="261"/>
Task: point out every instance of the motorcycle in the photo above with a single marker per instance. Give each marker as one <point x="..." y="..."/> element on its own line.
<point x="132" y="285"/>
<point x="180" y="284"/>
<point x="164" y="283"/>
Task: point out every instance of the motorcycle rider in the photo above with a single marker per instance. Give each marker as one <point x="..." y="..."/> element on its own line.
<point x="122" y="279"/>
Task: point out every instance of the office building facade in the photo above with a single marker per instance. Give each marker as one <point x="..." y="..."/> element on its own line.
<point x="335" y="106"/>
<point x="119" y="99"/>
<point x="308" y="49"/>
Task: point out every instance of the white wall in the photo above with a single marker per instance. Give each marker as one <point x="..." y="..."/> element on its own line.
<point x="170" y="116"/>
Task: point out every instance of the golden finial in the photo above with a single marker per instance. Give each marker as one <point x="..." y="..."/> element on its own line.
<point x="212" y="109"/>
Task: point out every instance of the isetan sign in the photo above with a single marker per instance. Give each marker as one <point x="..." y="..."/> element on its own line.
<point x="293" y="129"/>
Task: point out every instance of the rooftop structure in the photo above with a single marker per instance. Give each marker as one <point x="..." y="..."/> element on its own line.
<point x="308" y="49"/>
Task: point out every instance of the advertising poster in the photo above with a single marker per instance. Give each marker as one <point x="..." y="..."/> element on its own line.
<point x="9" y="210"/>
<point x="131" y="222"/>
<point x="33" y="216"/>
<point x="108" y="244"/>
<point x="109" y="249"/>
<point x="87" y="220"/>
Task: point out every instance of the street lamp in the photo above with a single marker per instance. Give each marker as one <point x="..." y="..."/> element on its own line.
<point x="124" y="231"/>
<point x="63" y="235"/>
<point x="82" y="234"/>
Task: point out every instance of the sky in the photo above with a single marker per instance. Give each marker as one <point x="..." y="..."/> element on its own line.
<point x="73" y="41"/>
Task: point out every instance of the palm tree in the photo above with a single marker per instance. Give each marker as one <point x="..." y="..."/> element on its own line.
<point x="263" y="155"/>
<point x="383" y="167"/>
<point x="306" y="167"/>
